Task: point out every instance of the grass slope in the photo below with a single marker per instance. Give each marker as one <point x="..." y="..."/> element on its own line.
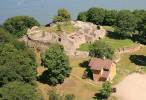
<point x="114" y="43"/>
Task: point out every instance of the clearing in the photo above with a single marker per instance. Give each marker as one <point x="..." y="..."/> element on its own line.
<point x="114" y="43"/>
<point x="127" y="66"/>
<point x="133" y="87"/>
<point x="83" y="89"/>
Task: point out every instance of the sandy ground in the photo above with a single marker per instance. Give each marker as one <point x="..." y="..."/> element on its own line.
<point x="133" y="87"/>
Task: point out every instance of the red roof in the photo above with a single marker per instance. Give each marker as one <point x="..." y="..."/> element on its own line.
<point x="98" y="64"/>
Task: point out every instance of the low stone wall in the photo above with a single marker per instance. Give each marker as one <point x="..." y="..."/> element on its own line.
<point x="129" y="49"/>
<point x="117" y="56"/>
<point x="81" y="54"/>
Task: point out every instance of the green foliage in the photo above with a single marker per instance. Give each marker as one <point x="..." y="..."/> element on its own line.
<point x="5" y="37"/>
<point x="18" y="91"/>
<point x="110" y="17"/>
<point x="54" y="96"/>
<point x="18" y="25"/>
<point x="63" y="15"/>
<point x="96" y="15"/>
<point x="57" y="63"/>
<point x="16" y="64"/>
<point x="69" y="97"/>
<point x="106" y="90"/>
<point x="82" y="16"/>
<point x="100" y="50"/>
<point x="126" y="24"/>
<point x="140" y="16"/>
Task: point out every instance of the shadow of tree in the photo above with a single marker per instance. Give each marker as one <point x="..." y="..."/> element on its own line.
<point x="98" y="96"/>
<point x="87" y="72"/>
<point x="138" y="59"/>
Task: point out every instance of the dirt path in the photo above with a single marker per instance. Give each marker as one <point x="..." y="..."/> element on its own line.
<point x="133" y="87"/>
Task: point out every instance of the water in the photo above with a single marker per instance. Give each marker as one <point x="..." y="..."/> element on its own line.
<point x="44" y="10"/>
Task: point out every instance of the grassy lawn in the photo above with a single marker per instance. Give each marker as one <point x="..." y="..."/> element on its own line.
<point x="58" y="28"/>
<point x="109" y="28"/>
<point x="125" y="66"/>
<point x="83" y="89"/>
<point x="114" y="43"/>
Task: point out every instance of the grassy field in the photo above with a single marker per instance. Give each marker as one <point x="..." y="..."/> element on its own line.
<point x="58" y="28"/>
<point x="126" y="66"/>
<point x="83" y="89"/>
<point x="114" y="43"/>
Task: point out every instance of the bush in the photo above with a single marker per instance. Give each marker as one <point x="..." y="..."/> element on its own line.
<point x="18" y="25"/>
<point x="57" y="63"/>
<point x="100" y="50"/>
<point x="63" y="15"/>
<point x="18" y="91"/>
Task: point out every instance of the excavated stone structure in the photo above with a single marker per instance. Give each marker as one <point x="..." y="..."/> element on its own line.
<point x="86" y="32"/>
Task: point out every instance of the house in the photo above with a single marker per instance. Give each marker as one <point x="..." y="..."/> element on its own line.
<point x="102" y="69"/>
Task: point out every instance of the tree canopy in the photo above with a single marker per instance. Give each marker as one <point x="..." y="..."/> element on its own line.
<point x="18" y="91"/>
<point x="18" y="25"/>
<point x="126" y="23"/>
<point x="100" y="50"/>
<point x="96" y="15"/>
<point x="106" y="90"/>
<point x="82" y="16"/>
<point x="57" y="63"/>
<point x="16" y="64"/>
<point x="63" y="15"/>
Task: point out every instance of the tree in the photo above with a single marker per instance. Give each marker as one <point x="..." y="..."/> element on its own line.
<point x="100" y="50"/>
<point x="63" y="15"/>
<point x="18" y="91"/>
<point x="126" y="24"/>
<point x="69" y="97"/>
<point x="82" y="16"/>
<point x="16" y="64"/>
<point x="53" y="95"/>
<point x="96" y="15"/>
<point x="57" y="63"/>
<point x="110" y="17"/>
<point x="142" y="32"/>
<point x="18" y="25"/>
<point x="140" y="16"/>
<point x="106" y="90"/>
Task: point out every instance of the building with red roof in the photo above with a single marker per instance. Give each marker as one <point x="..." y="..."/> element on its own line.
<point x="102" y="69"/>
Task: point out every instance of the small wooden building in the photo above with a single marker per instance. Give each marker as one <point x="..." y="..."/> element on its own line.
<point x="102" y="69"/>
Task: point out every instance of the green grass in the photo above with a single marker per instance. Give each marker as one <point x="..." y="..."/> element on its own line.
<point x="125" y="66"/>
<point x="62" y="27"/>
<point x="59" y="28"/>
<point x="114" y="43"/>
<point x="109" y="28"/>
<point x="84" y="47"/>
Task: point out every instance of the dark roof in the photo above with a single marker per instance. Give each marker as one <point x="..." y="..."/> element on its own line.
<point x="98" y="64"/>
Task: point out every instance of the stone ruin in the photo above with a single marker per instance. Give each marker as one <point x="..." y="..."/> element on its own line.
<point x="86" y="32"/>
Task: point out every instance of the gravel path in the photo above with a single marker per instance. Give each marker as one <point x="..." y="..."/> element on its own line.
<point x="133" y="87"/>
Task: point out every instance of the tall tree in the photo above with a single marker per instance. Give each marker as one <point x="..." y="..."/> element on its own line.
<point x="100" y="50"/>
<point x="82" y="16"/>
<point x="63" y="15"/>
<point x="16" y="64"/>
<point x="57" y="63"/>
<point x="106" y="90"/>
<point x="110" y="17"/>
<point x="18" y="91"/>
<point x="96" y="15"/>
<point x="18" y="25"/>
<point x="140" y="16"/>
<point x="126" y="24"/>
